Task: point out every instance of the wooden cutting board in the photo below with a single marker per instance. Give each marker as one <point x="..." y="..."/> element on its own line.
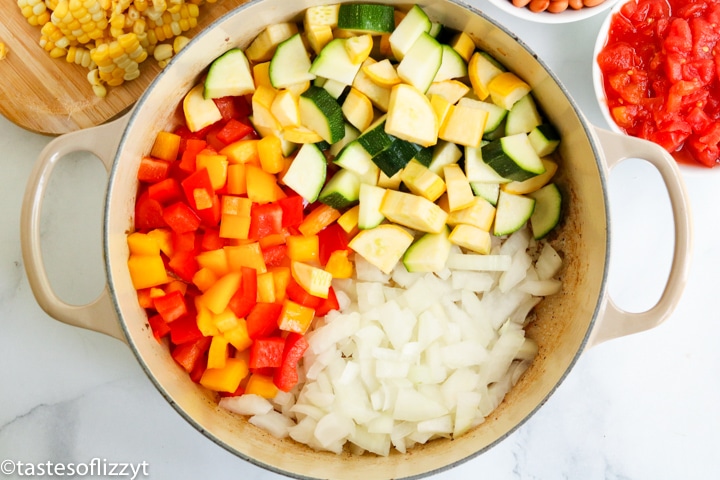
<point x="51" y="96"/>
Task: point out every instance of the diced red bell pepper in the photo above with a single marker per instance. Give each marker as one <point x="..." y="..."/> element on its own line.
<point x="245" y="298"/>
<point x="184" y="330"/>
<point x="192" y="146"/>
<point x="328" y="304"/>
<point x="262" y="319"/>
<point x="274" y="255"/>
<point x="265" y="220"/>
<point x="331" y="238"/>
<point x="185" y="242"/>
<point x="293" y="207"/>
<point x="211" y="216"/>
<point x="200" y="366"/>
<point x="286" y="375"/>
<point x="148" y="213"/>
<point x="198" y="187"/>
<point x="153" y="170"/>
<point x="181" y="218"/>
<point x="211" y="240"/>
<point x="298" y="294"/>
<point x="189" y="354"/>
<point x="184" y="265"/>
<point x="266" y="352"/>
<point x="231" y="108"/>
<point x="234" y="130"/>
<point x="165" y="191"/>
<point x="170" y="306"/>
<point x="159" y="327"/>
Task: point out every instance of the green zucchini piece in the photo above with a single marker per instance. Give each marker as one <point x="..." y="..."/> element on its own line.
<point x="374" y="19"/>
<point x="321" y="113"/>
<point x="396" y="156"/>
<point x="513" y="157"/>
<point x="512" y="213"/>
<point x="548" y="205"/>
<point x="374" y="140"/>
<point x="342" y="191"/>
<point x="421" y="62"/>
<point x="290" y="64"/>
<point x="408" y="30"/>
<point x="544" y="139"/>
<point x="488" y="191"/>
<point x="523" y="116"/>
<point x="333" y="62"/>
<point x="429" y="253"/>
<point x="229" y="74"/>
<point x="371" y="198"/>
<point x="451" y="66"/>
<point x="307" y="172"/>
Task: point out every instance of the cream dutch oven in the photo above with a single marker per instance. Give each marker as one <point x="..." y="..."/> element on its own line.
<point x="567" y="323"/>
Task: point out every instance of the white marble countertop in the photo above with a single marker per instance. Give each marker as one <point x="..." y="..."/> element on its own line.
<point x="640" y="407"/>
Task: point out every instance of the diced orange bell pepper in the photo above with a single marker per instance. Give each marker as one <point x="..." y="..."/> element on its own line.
<point x="270" y="154"/>
<point x="235" y="205"/>
<point x="295" y="317"/>
<point x="262" y="186"/>
<point x="338" y="265"/>
<point x="248" y="255"/>
<point x="164" y="239"/>
<point x="204" y="278"/>
<point x="266" y="287"/>
<point x="238" y="336"/>
<point x="242" y="151"/>
<point x="217" y="297"/>
<point x="227" y="378"/>
<point x="142" y="244"/>
<point x="218" y="352"/>
<point x="281" y="278"/>
<point x="303" y="248"/>
<point x="261" y="385"/>
<point x="236" y="181"/>
<point x="216" y="165"/>
<point x="205" y="319"/>
<point x="147" y="271"/>
<point x="216" y="260"/>
<point x="322" y="216"/>
<point x="166" y="146"/>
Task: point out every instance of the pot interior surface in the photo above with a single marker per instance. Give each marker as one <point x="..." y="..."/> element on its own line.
<point x="562" y="322"/>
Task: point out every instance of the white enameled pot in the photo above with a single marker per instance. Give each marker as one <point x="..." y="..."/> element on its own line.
<point x="580" y="316"/>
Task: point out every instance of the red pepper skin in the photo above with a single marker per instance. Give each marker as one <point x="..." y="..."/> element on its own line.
<point x="262" y="319"/>
<point x="242" y="302"/>
<point x="184" y="265"/>
<point x="293" y="207"/>
<point x="331" y="238"/>
<point x="187" y="159"/>
<point x="233" y="131"/>
<point x="211" y="216"/>
<point x="153" y="170"/>
<point x="266" y="352"/>
<point x="265" y="220"/>
<point x="298" y="294"/>
<point x="185" y="242"/>
<point x="148" y="213"/>
<point x="181" y="218"/>
<point x="188" y="354"/>
<point x="185" y="329"/>
<point x="286" y="375"/>
<point x="228" y="107"/>
<point x="275" y="255"/>
<point x="159" y="327"/>
<point x="165" y="191"/>
<point x="211" y="240"/>
<point x="200" y="180"/>
<point x="171" y="306"/>
<point x="328" y="304"/>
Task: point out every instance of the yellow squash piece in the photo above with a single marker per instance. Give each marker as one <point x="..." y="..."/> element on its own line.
<point x="199" y="111"/>
<point x="413" y="211"/>
<point x="382" y="246"/>
<point x="459" y="192"/>
<point x="471" y="238"/>
<point x="383" y="73"/>
<point x="315" y="281"/>
<point x="481" y="71"/>
<point x="421" y="181"/>
<point x="410" y="116"/>
<point x="359" y="48"/>
<point x="358" y="109"/>
<point x="506" y="89"/>
<point x="464" y="125"/>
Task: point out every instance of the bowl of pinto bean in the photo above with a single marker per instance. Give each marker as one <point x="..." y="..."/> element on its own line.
<point x="554" y="11"/>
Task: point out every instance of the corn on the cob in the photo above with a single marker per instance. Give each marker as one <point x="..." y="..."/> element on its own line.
<point x="111" y="38"/>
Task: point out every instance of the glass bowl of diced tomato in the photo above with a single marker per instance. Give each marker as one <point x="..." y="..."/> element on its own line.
<point x="655" y="76"/>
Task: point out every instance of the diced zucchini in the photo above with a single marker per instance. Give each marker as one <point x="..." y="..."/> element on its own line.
<point x="523" y="117"/>
<point x="199" y="111"/>
<point x="411" y="116"/>
<point x="476" y="170"/>
<point x="481" y="72"/>
<point x="421" y="181"/>
<point x="333" y="62"/>
<point x="263" y="47"/>
<point x="513" y="158"/>
<point x="513" y="212"/>
<point x="435" y="29"/>
<point x="544" y="139"/>
<point x="354" y="157"/>
<point x="428" y="253"/>
<point x="366" y="18"/>
<point x="290" y="64"/>
<point x="321" y="113"/>
<point x="487" y="191"/>
<point x="229" y="74"/>
<point x="307" y="172"/>
<point x="424" y="156"/>
<point x="351" y="133"/>
<point x="534" y="183"/>
<point x="382" y="246"/>
<point x="413" y="211"/>
<point x="421" y="63"/>
<point x="375" y="139"/>
<point x="506" y="89"/>
<point x="444" y="153"/>
<point x="548" y="205"/>
<point x="408" y="30"/>
<point x="452" y="66"/>
<point x="496" y="114"/>
<point x="396" y="156"/>
<point x="341" y="191"/>
<point x="333" y="87"/>
<point x="369" y="215"/>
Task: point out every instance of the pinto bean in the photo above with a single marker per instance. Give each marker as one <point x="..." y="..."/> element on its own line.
<point x="576" y="4"/>
<point x="520" y="3"/>
<point x="557" y="6"/>
<point x="592" y="3"/>
<point x="538" y="5"/>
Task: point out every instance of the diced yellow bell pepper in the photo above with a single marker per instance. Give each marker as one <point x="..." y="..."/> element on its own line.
<point x="266" y="287"/>
<point x="281" y="278"/>
<point x="242" y="151"/>
<point x="205" y="319"/>
<point x="216" y="166"/>
<point x="338" y="265"/>
<point x="261" y="74"/>
<point x="142" y="244"/>
<point x="261" y="385"/>
<point x="303" y="248"/>
<point x="262" y="186"/>
<point x="315" y="281"/>
<point x="234" y="226"/>
<point x="247" y="255"/>
<point x="225" y="320"/>
<point x="204" y="278"/>
<point x="227" y="378"/>
<point x="238" y="336"/>
<point x="147" y="271"/>
<point x="166" y="146"/>
<point x="270" y="153"/>
<point x="163" y="236"/>
<point x="218" y="352"/>
<point x="217" y="297"/>
<point x="215" y="260"/>
<point x="295" y="317"/>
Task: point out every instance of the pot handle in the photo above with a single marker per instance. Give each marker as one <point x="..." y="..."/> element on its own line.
<point x="616" y="322"/>
<point x="98" y="315"/>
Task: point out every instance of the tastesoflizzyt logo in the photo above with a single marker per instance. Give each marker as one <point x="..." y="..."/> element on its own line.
<point x="97" y="467"/>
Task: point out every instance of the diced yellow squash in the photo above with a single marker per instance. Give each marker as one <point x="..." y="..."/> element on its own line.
<point x="315" y="281"/>
<point x="480" y="214"/>
<point x="358" y="109"/>
<point x="451" y="90"/>
<point x="507" y="88"/>
<point x="464" y="125"/>
<point x="301" y="135"/>
<point x="261" y="74"/>
<point x="322" y="15"/>
<point x="389" y="182"/>
<point x="534" y="183"/>
<point x="472" y="238"/>
<point x="459" y="192"/>
<point x="284" y="108"/>
<point x="318" y="36"/>
<point x="383" y="73"/>
<point x="382" y="246"/>
<point x="262" y="48"/>
<point x="481" y="71"/>
<point x="421" y="181"/>
<point x="379" y="95"/>
<point x="298" y="88"/>
<point x="199" y="111"/>
<point x="359" y="47"/>
<point x="410" y="116"/>
<point x="348" y="221"/>
<point x="262" y="101"/>
<point x="464" y="45"/>
<point x="440" y="106"/>
<point x="413" y="211"/>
